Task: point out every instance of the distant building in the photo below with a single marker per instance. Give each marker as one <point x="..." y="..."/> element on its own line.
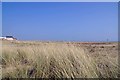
<point x="10" y="38"/>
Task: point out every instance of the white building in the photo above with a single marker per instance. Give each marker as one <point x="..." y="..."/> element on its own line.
<point x="8" y="38"/>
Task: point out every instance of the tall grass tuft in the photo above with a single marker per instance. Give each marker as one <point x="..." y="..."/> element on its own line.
<point x="54" y="60"/>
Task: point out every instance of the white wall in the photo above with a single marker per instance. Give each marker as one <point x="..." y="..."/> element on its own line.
<point x="9" y="39"/>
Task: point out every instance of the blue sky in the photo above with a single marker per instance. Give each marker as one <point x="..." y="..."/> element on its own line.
<point x="61" y="21"/>
<point x="0" y="19"/>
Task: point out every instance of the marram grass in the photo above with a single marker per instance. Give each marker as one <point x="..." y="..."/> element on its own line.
<point x="54" y="60"/>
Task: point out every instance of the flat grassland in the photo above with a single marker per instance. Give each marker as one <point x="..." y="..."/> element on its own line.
<point x="37" y="59"/>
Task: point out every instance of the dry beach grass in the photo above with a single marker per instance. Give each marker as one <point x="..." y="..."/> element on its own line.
<point x="30" y="59"/>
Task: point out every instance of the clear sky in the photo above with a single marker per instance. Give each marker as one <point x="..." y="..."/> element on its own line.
<point x="0" y="19"/>
<point x="61" y="21"/>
